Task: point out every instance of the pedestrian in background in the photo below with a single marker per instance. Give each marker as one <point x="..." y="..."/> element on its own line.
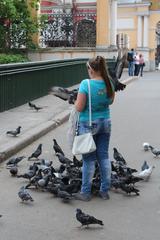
<point x="130" y="59"/>
<point x="136" y="68"/>
<point x="141" y="64"/>
<point x="102" y="95"/>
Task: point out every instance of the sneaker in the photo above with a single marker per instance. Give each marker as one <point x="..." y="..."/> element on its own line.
<point x="82" y="197"/>
<point x="104" y="195"/>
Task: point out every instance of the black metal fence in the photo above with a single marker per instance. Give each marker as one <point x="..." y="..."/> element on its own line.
<point x="20" y="83"/>
<point x="69" y="30"/>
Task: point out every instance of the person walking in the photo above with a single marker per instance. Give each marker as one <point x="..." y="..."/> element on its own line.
<point x="102" y="95"/>
<point x="141" y="64"/>
<point x="130" y="59"/>
<point x="136" y="69"/>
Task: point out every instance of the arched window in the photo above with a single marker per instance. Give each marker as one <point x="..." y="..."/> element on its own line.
<point x="86" y="33"/>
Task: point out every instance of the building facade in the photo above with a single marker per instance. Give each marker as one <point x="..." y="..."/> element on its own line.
<point x="106" y="25"/>
<point x="139" y="28"/>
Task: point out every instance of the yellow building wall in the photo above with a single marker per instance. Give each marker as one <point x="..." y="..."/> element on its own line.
<point x="102" y="28"/>
<point x="125" y="13"/>
<point x="153" y="18"/>
<point x="155" y="5"/>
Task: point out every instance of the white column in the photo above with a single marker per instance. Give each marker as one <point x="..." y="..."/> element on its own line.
<point x="145" y="32"/>
<point x="113" y="23"/>
<point x="139" y="32"/>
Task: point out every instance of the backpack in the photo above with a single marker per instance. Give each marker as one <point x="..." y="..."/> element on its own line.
<point x="130" y="57"/>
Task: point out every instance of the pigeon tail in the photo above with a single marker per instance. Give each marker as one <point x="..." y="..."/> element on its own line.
<point x="99" y="222"/>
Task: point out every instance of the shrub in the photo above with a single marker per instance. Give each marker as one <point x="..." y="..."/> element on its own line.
<point x="12" y="58"/>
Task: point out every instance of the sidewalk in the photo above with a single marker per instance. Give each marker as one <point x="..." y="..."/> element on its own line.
<point x="34" y="124"/>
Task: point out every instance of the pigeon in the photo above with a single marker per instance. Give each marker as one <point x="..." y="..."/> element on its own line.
<point x="144" y="166"/>
<point x="145" y="174"/>
<point x="37" y="152"/>
<point x="13" y="170"/>
<point x="118" y="157"/>
<point x="63" y="159"/>
<point x="76" y="162"/>
<point x="115" y="74"/>
<point x="146" y="146"/>
<point x="65" y="94"/>
<point x="86" y="219"/>
<point x="31" y="105"/>
<point x="129" y="189"/>
<point x="155" y="151"/>
<point x="57" y="148"/>
<point x="73" y="96"/>
<point x="61" y="168"/>
<point x="132" y="179"/>
<point x="31" y="173"/>
<point x="65" y="196"/>
<point x="14" y="160"/>
<point x="37" y="108"/>
<point x="1" y="215"/>
<point x="24" y="195"/>
<point x="45" y="162"/>
<point x="14" y="133"/>
<point x="43" y="182"/>
<point x="34" y="180"/>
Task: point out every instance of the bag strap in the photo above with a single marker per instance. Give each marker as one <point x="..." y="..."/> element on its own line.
<point x="90" y="109"/>
<point x="89" y="98"/>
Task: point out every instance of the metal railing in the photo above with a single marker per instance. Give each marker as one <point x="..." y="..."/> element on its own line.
<point x="23" y="82"/>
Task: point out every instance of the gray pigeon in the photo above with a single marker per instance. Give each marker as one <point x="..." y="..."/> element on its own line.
<point x="57" y="148"/>
<point x="31" y="105"/>
<point x="63" y="159"/>
<point x="24" y="195"/>
<point x="156" y="152"/>
<point x="14" y="160"/>
<point x="37" y="152"/>
<point x="86" y="219"/>
<point x="14" y="170"/>
<point x="14" y="133"/>
<point x="144" y="166"/>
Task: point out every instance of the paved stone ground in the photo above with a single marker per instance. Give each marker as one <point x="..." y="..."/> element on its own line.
<point x="135" y="119"/>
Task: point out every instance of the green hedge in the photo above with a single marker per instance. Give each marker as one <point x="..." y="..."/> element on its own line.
<point x="12" y="58"/>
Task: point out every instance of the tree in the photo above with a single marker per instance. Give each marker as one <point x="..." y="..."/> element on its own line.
<point x="17" y="25"/>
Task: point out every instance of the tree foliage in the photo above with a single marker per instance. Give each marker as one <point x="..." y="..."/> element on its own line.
<point x="17" y="25"/>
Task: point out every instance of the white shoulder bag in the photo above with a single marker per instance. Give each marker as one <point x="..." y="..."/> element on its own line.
<point x="84" y="143"/>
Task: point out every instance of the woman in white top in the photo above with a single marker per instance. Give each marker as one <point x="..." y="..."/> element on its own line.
<point x="141" y="64"/>
<point x="136" y="69"/>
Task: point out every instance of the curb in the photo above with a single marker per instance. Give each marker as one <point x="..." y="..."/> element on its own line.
<point x="130" y="79"/>
<point x="33" y="135"/>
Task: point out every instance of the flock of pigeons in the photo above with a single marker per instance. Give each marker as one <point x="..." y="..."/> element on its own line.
<point x="65" y="180"/>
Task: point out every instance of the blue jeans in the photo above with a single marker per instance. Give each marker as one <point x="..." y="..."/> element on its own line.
<point x="101" y="130"/>
<point x="131" y="68"/>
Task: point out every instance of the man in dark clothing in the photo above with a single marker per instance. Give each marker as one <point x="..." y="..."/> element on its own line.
<point x="130" y="59"/>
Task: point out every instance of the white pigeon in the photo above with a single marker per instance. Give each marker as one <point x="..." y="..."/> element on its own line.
<point x="145" y="174"/>
<point x="146" y="146"/>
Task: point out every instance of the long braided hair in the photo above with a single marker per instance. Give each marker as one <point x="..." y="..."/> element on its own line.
<point x="98" y="64"/>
